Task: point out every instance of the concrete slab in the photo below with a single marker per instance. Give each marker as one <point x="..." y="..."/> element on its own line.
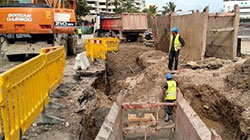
<point x="222" y="44"/>
<point x="193" y="28"/>
<point x="161" y="32"/>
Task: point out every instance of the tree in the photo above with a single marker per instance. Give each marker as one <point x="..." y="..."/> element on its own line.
<point x="3" y="2"/>
<point x="117" y="3"/>
<point x="82" y="8"/>
<point x="169" y="8"/>
<point x="151" y="12"/>
<point x="127" y="6"/>
<point x="108" y="2"/>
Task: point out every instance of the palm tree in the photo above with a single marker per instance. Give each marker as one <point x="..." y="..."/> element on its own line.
<point x="108" y="2"/>
<point x="169" y="8"/>
<point x="152" y="10"/>
<point x="127" y="6"/>
<point x="116" y="3"/>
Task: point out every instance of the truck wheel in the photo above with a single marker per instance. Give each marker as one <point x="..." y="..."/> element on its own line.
<point x="72" y="45"/>
<point x="16" y="57"/>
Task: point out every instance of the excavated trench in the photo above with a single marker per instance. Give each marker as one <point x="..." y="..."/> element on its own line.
<point x="214" y="107"/>
<point x="215" y="110"/>
<point x="220" y="98"/>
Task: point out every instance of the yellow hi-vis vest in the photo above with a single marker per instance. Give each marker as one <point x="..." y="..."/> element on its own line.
<point x="177" y="43"/>
<point x="171" y="91"/>
<point x="79" y="31"/>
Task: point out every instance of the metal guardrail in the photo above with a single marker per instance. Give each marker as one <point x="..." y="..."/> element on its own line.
<point x="97" y="48"/>
<point x="25" y="90"/>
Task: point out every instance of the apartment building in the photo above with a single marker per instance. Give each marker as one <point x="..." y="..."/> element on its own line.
<point x="100" y="5"/>
<point x="244" y="6"/>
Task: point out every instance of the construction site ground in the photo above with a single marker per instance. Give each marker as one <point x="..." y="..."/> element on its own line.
<point x="217" y="89"/>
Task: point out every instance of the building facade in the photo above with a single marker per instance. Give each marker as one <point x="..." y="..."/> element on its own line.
<point x="244" y="6"/>
<point x="100" y="5"/>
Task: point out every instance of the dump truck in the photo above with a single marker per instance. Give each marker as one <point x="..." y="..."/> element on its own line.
<point x="126" y="26"/>
<point x="27" y="27"/>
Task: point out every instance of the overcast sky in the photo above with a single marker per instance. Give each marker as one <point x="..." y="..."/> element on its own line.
<point x="185" y="5"/>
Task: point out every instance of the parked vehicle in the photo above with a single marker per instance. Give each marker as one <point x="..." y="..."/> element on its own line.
<point x="126" y="26"/>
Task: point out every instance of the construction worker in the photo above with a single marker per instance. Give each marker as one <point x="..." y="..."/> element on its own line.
<point x="79" y="32"/>
<point x="176" y="42"/>
<point x="170" y="89"/>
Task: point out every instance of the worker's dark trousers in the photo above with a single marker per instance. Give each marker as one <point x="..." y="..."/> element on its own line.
<point x="173" y="55"/>
<point x="169" y="109"/>
<point x="79" y="36"/>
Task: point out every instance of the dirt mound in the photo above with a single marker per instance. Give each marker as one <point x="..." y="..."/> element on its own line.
<point x="147" y="86"/>
<point x="122" y="64"/>
<point x="240" y="78"/>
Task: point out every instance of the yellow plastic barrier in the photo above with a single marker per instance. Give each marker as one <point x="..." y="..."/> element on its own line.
<point x="25" y="90"/>
<point x="98" y="47"/>
<point x="111" y="43"/>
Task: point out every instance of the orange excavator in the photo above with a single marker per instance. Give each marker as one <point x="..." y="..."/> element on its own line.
<point x="26" y="26"/>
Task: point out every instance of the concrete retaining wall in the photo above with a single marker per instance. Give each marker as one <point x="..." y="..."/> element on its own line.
<point x="193" y="28"/>
<point x="212" y="35"/>
<point x="222" y="35"/>
<point x="112" y="126"/>
<point x="161" y="31"/>
<point x="189" y="126"/>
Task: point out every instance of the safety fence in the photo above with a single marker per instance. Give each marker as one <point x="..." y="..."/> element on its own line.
<point x="98" y="48"/>
<point x="25" y="90"/>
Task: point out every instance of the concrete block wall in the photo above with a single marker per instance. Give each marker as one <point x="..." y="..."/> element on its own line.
<point x="112" y="125"/>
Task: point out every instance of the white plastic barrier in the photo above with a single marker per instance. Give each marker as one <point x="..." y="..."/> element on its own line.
<point x="82" y="62"/>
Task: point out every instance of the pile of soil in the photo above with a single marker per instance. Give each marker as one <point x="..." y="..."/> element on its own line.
<point x="240" y="78"/>
<point x="122" y="64"/>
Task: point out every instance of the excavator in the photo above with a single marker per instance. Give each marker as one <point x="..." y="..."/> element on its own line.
<point x="26" y="26"/>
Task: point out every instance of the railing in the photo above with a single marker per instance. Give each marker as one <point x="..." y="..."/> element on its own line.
<point x="97" y="48"/>
<point x="25" y="90"/>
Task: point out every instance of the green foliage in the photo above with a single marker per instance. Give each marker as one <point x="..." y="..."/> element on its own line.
<point x="169" y="8"/>
<point x="82" y="8"/>
<point x="2" y="2"/>
<point x="151" y="12"/>
<point x="126" y="6"/>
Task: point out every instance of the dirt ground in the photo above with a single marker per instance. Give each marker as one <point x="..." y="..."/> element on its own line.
<point x="6" y="65"/>
<point x="214" y="89"/>
<point x="218" y="90"/>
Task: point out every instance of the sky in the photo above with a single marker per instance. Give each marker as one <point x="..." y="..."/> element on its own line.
<point x="185" y="5"/>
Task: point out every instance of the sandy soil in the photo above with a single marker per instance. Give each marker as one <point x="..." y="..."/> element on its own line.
<point x="214" y="91"/>
<point x="207" y="88"/>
